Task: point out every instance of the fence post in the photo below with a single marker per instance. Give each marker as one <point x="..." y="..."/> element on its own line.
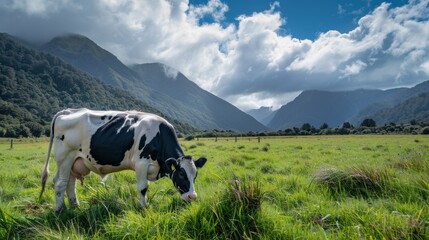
<point x="259" y="139"/>
<point x="215" y="139"/>
<point x="11" y="144"/>
<point x="235" y="138"/>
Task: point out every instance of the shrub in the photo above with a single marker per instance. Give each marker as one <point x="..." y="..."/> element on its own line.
<point x="189" y="138"/>
<point x="368" y="122"/>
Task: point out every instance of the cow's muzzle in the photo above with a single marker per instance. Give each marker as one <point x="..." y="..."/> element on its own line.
<point x="189" y="196"/>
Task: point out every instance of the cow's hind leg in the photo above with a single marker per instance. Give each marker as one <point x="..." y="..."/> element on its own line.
<point x="71" y="192"/>
<point x="142" y="182"/>
<point x="64" y="166"/>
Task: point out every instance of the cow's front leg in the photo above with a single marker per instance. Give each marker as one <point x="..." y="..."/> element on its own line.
<point x="71" y="192"/>
<point x="142" y="182"/>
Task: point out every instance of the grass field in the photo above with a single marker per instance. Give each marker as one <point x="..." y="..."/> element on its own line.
<point x="319" y="187"/>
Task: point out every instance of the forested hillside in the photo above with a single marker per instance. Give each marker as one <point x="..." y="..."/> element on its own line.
<point x="35" y="85"/>
<point x="413" y="109"/>
<point x="156" y="84"/>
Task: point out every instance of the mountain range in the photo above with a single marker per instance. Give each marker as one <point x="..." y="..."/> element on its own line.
<point x="72" y="70"/>
<point x="35" y="85"/>
<point x="398" y="105"/>
<point x="156" y="84"/>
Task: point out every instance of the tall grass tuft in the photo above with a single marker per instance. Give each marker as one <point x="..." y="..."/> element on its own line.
<point x="234" y="215"/>
<point x="359" y="181"/>
<point x="413" y="160"/>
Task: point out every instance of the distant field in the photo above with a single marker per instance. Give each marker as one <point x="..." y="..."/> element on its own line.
<point x="318" y="187"/>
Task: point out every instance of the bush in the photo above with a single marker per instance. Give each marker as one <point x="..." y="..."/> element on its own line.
<point x="189" y="138"/>
<point x="425" y="130"/>
<point x="368" y="122"/>
<point x="36" y="129"/>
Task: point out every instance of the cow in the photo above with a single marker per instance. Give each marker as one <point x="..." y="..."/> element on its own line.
<point x="110" y="141"/>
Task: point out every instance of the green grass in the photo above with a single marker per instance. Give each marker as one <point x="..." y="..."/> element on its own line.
<point x="330" y="187"/>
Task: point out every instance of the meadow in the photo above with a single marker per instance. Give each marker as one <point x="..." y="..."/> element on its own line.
<point x="312" y="187"/>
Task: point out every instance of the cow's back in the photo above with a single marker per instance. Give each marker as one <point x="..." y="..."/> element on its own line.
<point x="107" y="140"/>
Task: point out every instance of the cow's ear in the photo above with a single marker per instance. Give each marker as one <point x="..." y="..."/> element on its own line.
<point x="171" y="164"/>
<point x="200" y="162"/>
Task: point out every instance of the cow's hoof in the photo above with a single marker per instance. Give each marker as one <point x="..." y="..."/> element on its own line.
<point x="58" y="211"/>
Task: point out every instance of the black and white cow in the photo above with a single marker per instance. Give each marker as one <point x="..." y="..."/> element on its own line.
<point x="111" y="141"/>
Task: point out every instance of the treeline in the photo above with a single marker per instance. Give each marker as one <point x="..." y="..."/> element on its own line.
<point x="368" y="126"/>
<point x="36" y="85"/>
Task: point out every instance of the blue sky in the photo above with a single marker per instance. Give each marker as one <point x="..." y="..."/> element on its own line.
<point x="306" y="19"/>
<point x="251" y="53"/>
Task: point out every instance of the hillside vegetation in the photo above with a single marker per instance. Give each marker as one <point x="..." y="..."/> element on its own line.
<point x="156" y="84"/>
<point x="330" y="187"/>
<point x="35" y="85"/>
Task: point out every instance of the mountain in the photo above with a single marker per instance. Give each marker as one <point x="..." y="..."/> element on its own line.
<point x="156" y="84"/>
<point x="84" y="54"/>
<point x="414" y="108"/>
<point x="35" y="85"/>
<point x="263" y="114"/>
<point x="402" y="95"/>
<point x="210" y="108"/>
<point x="318" y="107"/>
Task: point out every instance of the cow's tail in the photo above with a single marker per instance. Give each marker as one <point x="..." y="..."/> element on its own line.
<point x="51" y="141"/>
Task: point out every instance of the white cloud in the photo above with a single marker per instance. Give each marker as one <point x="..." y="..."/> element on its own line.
<point x="250" y="63"/>
<point x="36" y="7"/>
<point x="425" y="67"/>
<point x="214" y="8"/>
<point x="353" y="69"/>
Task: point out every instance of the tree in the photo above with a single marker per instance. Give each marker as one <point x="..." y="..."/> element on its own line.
<point x="347" y="125"/>
<point x="306" y="127"/>
<point x="368" y="122"/>
<point x="324" y="126"/>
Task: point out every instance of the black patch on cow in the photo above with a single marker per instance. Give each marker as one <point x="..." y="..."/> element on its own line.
<point x="180" y="180"/>
<point x="142" y="143"/>
<point x="143" y="191"/>
<point x="103" y="117"/>
<point x="108" y="146"/>
<point x="162" y="147"/>
<point x="62" y="138"/>
<point x="110" y="117"/>
<point x="151" y="149"/>
<point x="80" y="149"/>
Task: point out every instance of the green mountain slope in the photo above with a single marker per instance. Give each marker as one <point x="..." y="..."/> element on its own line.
<point x="414" y="108"/>
<point x="402" y="95"/>
<point x="210" y="108"/>
<point x="35" y="85"/>
<point x="177" y="98"/>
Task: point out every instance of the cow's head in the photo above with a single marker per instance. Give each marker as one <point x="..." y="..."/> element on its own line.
<point x="183" y="172"/>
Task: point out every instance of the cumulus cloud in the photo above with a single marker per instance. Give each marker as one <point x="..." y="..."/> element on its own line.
<point x="36" y="7"/>
<point x="214" y="9"/>
<point x="249" y="62"/>
<point x="354" y="68"/>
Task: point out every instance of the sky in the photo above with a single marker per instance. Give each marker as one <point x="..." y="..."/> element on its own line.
<point x="251" y="53"/>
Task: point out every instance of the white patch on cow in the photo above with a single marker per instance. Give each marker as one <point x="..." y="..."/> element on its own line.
<point x="153" y="170"/>
<point x="191" y="171"/>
